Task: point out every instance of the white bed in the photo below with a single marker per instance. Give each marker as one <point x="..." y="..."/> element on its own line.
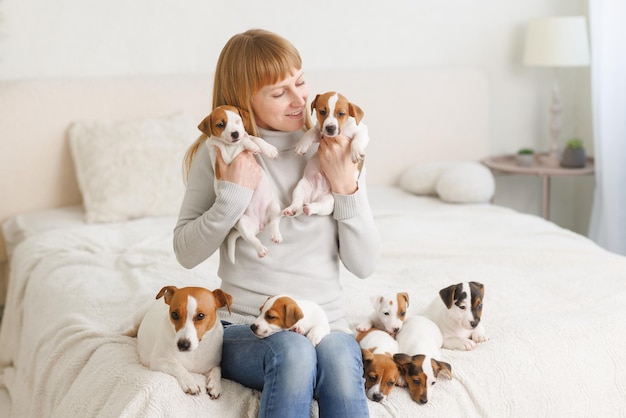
<point x="553" y="310"/>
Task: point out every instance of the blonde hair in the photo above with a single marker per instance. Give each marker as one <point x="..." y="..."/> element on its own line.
<point x="248" y="62"/>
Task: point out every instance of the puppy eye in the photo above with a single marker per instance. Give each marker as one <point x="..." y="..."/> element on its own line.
<point x="175" y="316"/>
<point x="479" y="306"/>
<point x="402" y="313"/>
<point x="200" y="317"/>
<point x="433" y="384"/>
<point x="462" y="307"/>
<point x="391" y="383"/>
<point x="269" y="317"/>
<point x="417" y="381"/>
<point x="341" y="114"/>
<point x="373" y="378"/>
<point x="323" y="112"/>
<point x="386" y="313"/>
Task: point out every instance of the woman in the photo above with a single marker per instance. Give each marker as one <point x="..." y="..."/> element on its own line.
<point x="261" y="72"/>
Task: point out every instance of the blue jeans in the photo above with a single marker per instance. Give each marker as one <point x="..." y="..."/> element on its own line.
<point x="290" y="372"/>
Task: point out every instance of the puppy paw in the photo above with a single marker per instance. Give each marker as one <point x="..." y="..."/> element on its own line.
<point x="291" y="211"/>
<point x="277" y="238"/>
<point x="301" y="149"/>
<point x="365" y="326"/>
<point x="298" y="329"/>
<point x="214" y="382"/>
<point x="271" y="151"/>
<point x="479" y="338"/>
<point x="262" y="252"/>
<point x="467" y="345"/>
<point x="357" y="156"/>
<point x="189" y="385"/>
<point x="214" y="388"/>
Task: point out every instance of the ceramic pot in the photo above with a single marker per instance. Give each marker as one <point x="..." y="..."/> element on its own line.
<point x="573" y="158"/>
<point x="525" y="160"/>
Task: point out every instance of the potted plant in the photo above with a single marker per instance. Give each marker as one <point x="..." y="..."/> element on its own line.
<point x="574" y="154"/>
<point x="525" y="157"/>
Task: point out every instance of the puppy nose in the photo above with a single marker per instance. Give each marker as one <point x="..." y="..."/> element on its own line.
<point x="377" y="397"/>
<point x="184" y="345"/>
<point x="423" y="401"/>
<point x="234" y="135"/>
<point x="395" y="330"/>
<point x="331" y="129"/>
<point x="474" y="324"/>
<point x="253" y="327"/>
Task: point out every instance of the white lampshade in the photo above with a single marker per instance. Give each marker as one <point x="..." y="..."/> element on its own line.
<point x="557" y="42"/>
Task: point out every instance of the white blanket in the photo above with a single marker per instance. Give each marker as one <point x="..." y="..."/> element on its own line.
<point x="554" y="311"/>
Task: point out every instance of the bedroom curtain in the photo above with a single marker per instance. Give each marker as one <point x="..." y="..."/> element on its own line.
<point x="608" y="84"/>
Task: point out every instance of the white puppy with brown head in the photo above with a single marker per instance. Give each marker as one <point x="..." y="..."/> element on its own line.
<point x="226" y="130"/>
<point x="335" y="115"/>
<point x="183" y="335"/>
<point x="458" y="312"/>
<point x="419" y="345"/>
<point x="380" y="370"/>
<point x="281" y="313"/>
<point x="389" y="313"/>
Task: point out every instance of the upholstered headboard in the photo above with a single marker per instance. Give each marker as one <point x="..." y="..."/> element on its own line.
<point x="412" y="115"/>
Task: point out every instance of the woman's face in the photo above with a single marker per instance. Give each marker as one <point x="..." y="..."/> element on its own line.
<point x="281" y="106"/>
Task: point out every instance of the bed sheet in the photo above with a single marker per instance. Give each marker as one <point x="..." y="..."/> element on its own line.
<point x="553" y="311"/>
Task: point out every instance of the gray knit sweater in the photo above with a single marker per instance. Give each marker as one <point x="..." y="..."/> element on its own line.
<point x="305" y="265"/>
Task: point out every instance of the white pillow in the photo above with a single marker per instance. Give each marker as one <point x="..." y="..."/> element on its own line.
<point x="466" y="183"/>
<point x="421" y="179"/>
<point x="131" y="169"/>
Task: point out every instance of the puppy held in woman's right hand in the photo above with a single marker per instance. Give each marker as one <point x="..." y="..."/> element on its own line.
<point x="226" y="130"/>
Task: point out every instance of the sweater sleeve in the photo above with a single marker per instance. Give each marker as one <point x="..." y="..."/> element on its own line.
<point x="206" y="215"/>
<point x="359" y="239"/>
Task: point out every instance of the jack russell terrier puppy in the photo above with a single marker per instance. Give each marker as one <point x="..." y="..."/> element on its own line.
<point x="389" y="313"/>
<point x="226" y="129"/>
<point x="281" y="312"/>
<point x="185" y="337"/>
<point x="457" y="311"/>
<point x="335" y="115"/>
<point x="380" y="370"/>
<point x="419" y="344"/>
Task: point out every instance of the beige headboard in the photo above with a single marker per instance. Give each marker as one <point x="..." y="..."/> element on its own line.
<point x="413" y="115"/>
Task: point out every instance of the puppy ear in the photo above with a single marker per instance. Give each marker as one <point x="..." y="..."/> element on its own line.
<point x="313" y="103"/>
<point x="402" y="358"/>
<point x="293" y="314"/>
<point x="404" y="295"/>
<point x="447" y="294"/>
<point x="245" y="118"/>
<point x="368" y="357"/>
<point x="168" y="291"/>
<point x="478" y="286"/>
<point x="376" y="301"/>
<point x="355" y="112"/>
<point x="441" y="367"/>
<point x="223" y="299"/>
<point x="205" y="126"/>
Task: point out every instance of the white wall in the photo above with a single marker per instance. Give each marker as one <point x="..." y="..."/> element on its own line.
<point x="69" y="38"/>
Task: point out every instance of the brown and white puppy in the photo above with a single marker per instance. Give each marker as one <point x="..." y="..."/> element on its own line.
<point x="380" y="370"/>
<point x="226" y="130"/>
<point x="281" y="313"/>
<point x="419" y="344"/>
<point x="184" y="336"/>
<point x="381" y="374"/>
<point x="335" y="115"/>
<point x="389" y="313"/>
<point x="458" y="311"/>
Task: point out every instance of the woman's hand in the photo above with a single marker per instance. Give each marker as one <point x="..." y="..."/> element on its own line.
<point x="337" y="164"/>
<point x="243" y="170"/>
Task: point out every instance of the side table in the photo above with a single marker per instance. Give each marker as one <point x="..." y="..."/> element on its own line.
<point x="543" y="167"/>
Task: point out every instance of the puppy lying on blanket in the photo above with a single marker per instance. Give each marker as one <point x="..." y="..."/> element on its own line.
<point x="335" y="115"/>
<point x="226" y="129"/>
<point x="457" y="312"/>
<point x="184" y="338"/>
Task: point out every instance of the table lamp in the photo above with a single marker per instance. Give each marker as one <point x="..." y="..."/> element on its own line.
<point x="556" y="42"/>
